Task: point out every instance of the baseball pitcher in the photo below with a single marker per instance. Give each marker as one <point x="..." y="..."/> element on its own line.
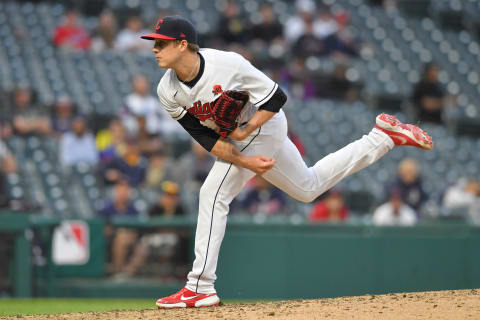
<point x="235" y="112"/>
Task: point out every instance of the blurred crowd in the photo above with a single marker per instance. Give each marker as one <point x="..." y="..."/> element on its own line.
<point x="282" y="49"/>
<point x="133" y="148"/>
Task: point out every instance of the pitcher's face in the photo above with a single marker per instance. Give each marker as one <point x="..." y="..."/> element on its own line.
<point x="167" y="52"/>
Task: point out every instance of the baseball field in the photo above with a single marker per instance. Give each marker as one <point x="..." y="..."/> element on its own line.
<point x="453" y="304"/>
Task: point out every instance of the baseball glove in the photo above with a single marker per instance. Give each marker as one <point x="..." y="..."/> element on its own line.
<point x="226" y="110"/>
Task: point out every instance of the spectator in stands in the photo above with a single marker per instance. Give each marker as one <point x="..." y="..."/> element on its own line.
<point x="28" y="119"/>
<point x="111" y="142"/>
<point x="193" y="167"/>
<point x="78" y="146"/>
<point x="147" y="143"/>
<point x="463" y="199"/>
<point x="297" y="79"/>
<point x="190" y="172"/>
<point x="64" y="114"/>
<point x="169" y="204"/>
<point x="232" y="26"/>
<point x="295" y="26"/>
<point x="315" y="34"/>
<point x="341" y="44"/>
<point x="395" y="212"/>
<point x="269" y="29"/>
<point x="428" y="96"/>
<point x="106" y="32"/>
<point x="263" y="198"/>
<point x="169" y="245"/>
<point x="120" y="204"/>
<point x="337" y="86"/>
<point x="70" y="35"/>
<point x="331" y="209"/>
<point x="324" y="24"/>
<point x="131" y="167"/>
<point x="308" y="44"/>
<point x="121" y="239"/>
<point x="409" y="184"/>
<point x="160" y="168"/>
<point x="129" y="38"/>
<point x="141" y="103"/>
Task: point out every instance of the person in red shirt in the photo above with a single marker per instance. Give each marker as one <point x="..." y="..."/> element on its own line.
<point x="332" y="208"/>
<point x="70" y="35"/>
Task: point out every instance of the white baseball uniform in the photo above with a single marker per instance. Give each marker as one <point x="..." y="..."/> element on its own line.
<point x="231" y="71"/>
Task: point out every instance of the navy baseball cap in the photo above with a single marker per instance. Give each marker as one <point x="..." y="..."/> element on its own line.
<point x="174" y="28"/>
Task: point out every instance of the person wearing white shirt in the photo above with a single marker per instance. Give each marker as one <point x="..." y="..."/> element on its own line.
<point x="463" y="199"/>
<point x="295" y="25"/>
<point x="394" y="213"/>
<point x="322" y="22"/>
<point x="324" y="25"/>
<point x="141" y="103"/>
<point x="129" y="38"/>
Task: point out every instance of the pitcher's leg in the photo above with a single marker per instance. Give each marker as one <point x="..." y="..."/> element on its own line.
<point x="223" y="183"/>
<point x="291" y="174"/>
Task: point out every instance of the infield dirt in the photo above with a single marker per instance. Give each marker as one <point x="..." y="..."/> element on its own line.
<point x="455" y="304"/>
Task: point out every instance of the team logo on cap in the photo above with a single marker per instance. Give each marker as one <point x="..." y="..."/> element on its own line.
<point x="157" y="26"/>
<point x="182" y="35"/>
<point x="217" y="89"/>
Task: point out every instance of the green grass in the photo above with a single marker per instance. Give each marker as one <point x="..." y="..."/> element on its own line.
<point x="9" y="307"/>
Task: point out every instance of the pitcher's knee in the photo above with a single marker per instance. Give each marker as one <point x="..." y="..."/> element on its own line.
<point x="213" y="200"/>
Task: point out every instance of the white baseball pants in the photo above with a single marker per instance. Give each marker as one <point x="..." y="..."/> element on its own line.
<point x="289" y="174"/>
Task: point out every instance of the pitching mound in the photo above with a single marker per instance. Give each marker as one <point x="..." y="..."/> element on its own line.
<point x="458" y="304"/>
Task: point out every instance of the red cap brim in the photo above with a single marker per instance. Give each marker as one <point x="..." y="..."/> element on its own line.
<point x="154" y="36"/>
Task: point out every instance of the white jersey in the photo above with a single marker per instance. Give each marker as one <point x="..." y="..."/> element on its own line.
<point x="223" y="71"/>
<point x="229" y="71"/>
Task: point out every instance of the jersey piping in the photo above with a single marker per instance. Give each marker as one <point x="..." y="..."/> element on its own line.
<point x="213" y="210"/>
<point x="268" y="96"/>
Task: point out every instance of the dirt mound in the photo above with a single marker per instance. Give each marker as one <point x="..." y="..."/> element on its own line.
<point x="455" y="304"/>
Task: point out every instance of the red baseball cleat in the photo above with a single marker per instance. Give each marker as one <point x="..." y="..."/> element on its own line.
<point x="188" y="299"/>
<point x="403" y="134"/>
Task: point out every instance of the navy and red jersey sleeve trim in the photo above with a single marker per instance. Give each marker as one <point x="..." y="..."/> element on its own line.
<point x="276" y="102"/>
<point x="206" y="137"/>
